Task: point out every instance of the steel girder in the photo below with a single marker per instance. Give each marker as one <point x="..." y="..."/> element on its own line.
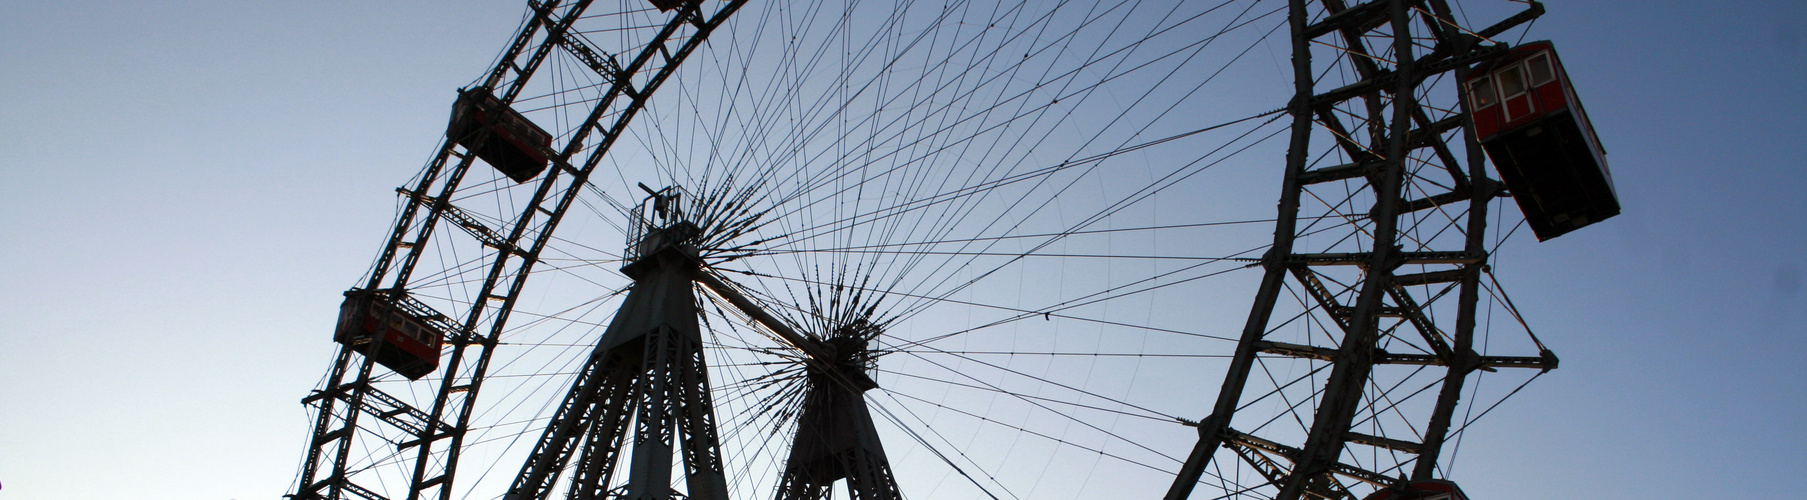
<point x="438" y="438"/>
<point x="648" y="370"/>
<point x="1394" y="50"/>
<point x="836" y="439"/>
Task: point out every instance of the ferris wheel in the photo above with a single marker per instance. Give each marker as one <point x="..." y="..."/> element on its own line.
<point x="728" y="249"/>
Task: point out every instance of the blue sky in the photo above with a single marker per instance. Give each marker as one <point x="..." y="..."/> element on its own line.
<point x="190" y="185"/>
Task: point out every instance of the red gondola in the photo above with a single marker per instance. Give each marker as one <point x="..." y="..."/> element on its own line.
<point x="1533" y="128"/>
<point x="406" y="344"/>
<point x="1432" y="489"/>
<point x="499" y="135"/>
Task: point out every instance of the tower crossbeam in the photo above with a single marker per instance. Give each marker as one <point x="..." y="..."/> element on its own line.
<point x="1379" y="292"/>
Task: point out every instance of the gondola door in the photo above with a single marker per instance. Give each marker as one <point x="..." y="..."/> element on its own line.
<point x="1515" y="96"/>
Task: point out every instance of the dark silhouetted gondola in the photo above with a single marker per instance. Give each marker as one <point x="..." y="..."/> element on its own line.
<point x="498" y="135"/>
<point x="405" y="343"/>
<point x="1532" y="126"/>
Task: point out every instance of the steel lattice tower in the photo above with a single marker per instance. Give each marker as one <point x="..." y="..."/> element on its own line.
<point x="647" y="369"/>
<point x="1371" y="285"/>
<point x="835" y="437"/>
<point x="647" y="379"/>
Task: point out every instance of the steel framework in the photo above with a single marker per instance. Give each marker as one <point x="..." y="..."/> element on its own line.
<point x="835" y="437"/>
<point x="510" y="251"/>
<point x="1373" y="281"/>
<point x="648" y="369"/>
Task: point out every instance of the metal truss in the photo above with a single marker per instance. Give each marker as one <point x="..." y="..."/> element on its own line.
<point x="1394" y="230"/>
<point x="435" y="434"/>
<point x="835" y="437"/>
<point x="648" y="370"/>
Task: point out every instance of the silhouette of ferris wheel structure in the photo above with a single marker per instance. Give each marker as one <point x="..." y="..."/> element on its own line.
<point x="957" y="250"/>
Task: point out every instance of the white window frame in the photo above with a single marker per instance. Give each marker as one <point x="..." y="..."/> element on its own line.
<point x="1500" y="79"/>
<point x="1548" y="65"/>
<point x="1475" y="94"/>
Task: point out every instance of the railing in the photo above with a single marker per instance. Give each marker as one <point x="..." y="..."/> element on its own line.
<point x="664" y="226"/>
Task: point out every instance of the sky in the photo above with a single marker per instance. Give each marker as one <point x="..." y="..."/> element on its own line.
<point x="191" y="185"/>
